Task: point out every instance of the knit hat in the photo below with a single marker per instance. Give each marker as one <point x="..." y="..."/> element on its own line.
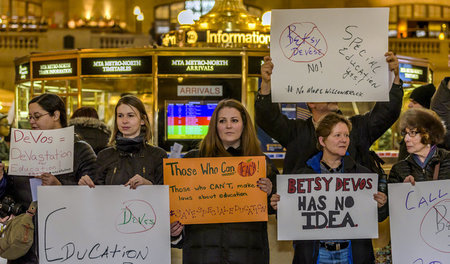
<point x="423" y="94"/>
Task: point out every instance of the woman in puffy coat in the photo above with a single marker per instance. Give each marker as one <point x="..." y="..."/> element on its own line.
<point x="89" y="128"/>
<point x="131" y="160"/>
<point x="422" y="130"/>
<point x="231" y="133"/>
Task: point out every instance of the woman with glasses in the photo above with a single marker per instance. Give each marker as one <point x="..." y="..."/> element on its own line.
<point x="48" y="111"/>
<point x="422" y="130"/>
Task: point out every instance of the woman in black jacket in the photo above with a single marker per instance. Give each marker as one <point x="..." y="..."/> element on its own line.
<point x="333" y="139"/>
<point x="48" y="111"/>
<point x="231" y="133"/>
<point x="422" y="130"/>
<point x="130" y="160"/>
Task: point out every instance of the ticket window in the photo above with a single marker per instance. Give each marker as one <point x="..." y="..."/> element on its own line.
<point x="186" y="105"/>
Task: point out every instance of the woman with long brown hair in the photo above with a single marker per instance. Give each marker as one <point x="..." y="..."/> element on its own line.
<point x="231" y="133"/>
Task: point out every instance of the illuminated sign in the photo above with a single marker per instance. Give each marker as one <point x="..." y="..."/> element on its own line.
<point x="410" y="73"/>
<point x="55" y="68"/>
<point x="199" y="65"/>
<point x="116" y="65"/>
<point x="219" y="37"/>
<point x="200" y="90"/>
<point x="23" y="72"/>
<point x="254" y="64"/>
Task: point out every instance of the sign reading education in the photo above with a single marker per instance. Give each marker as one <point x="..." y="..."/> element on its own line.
<point x="199" y="65"/>
<point x="329" y="55"/>
<point x="116" y="65"/>
<point x="105" y="224"/>
<point x="420" y="222"/>
<point x="55" y="68"/>
<point x="216" y="190"/>
<point x="327" y="206"/>
<point x="33" y="152"/>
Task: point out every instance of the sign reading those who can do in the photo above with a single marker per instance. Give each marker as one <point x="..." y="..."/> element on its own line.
<point x="327" y="206"/>
<point x="216" y="190"/>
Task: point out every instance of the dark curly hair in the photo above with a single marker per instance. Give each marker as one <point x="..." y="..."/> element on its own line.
<point x="427" y="123"/>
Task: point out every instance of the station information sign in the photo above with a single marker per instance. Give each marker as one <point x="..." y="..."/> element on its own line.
<point x="116" y="65"/>
<point x="23" y="72"/>
<point x="410" y="73"/>
<point x="54" y="68"/>
<point x="199" y="65"/>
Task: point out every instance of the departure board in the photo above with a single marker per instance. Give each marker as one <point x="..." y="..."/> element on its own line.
<point x="188" y="119"/>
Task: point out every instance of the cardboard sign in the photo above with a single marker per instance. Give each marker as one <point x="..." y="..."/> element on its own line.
<point x="329" y="55"/>
<point x="216" y="190"/>
<point x="327" y="206"/>
<point x="105" y="224"/>
<point x="420" y="222"/>
<point x="34" y="152"/>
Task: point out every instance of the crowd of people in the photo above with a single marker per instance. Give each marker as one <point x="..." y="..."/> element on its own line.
<point x="327" y="142"/>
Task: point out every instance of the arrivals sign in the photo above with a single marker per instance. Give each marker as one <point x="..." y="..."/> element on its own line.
<point x="116" y="65"/>
<point x="54" y="68"/>
<point x="199" y="65"/>
<point x="216" y="190"/>
<point x="200" y="90"/>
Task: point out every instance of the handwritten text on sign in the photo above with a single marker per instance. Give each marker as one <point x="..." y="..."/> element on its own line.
<point x="34" y="152"/>
<point x="327" y="206"/>
<point x="321" y="53"/>
<point x="216" y="190"/>
<point x="108" y="224"/>
<point x="420" y="222"/>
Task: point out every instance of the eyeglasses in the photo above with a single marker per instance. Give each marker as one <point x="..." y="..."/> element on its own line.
<point x="412" y="133"/>
<point x="36" y="117"/>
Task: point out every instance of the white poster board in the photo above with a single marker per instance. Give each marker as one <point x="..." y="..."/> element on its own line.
<point x="105" y="224"/>
<point x="329" y="55"/>
<point x="420" y="222"/>
<point x="33" y="152"/>
<point x="327" y="206"/>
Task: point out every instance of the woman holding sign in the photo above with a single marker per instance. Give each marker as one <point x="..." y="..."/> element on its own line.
<point x="422" y="130"/>
<point x="130" y="160"/>
<point x="231" y="133"/>
<point x="333" y="132"/>
<point x="48" y="111"/>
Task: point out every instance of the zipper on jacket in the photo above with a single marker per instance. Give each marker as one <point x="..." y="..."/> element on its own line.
<point x="114" y="174"/>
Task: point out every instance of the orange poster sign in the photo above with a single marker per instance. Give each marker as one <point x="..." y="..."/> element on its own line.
<point x="216" y="190"/>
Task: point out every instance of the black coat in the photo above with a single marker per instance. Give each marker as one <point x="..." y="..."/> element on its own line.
<point x="406" y="167"/>
<point x="93" y="131"/>
<point x="232" y="243"/>
<point x="19" y="188"/>
<point x="306" y="251"/>
<point x="115" y="167"/>
<point x="440" y="103"/>
<point x="299" y="136"/>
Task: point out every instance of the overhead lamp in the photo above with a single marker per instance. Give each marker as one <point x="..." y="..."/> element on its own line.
<point x="266" y="17"/>
<point x="140" y="17"/>
<point x="136" y="10"/>
<point x="186" y="17"/>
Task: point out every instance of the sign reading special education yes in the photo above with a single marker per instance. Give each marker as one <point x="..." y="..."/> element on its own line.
<point x="105" y="224"/>
<point x="329" y="55"/>
<point x="33" y="152"/>
<point x="116" y="65"/>
<point x="216" y="190"/>
<point x="420" y="222"/>
<point x="54" y="68"/>
<point x="327" y="206"/>
<point x="199" y="65"/>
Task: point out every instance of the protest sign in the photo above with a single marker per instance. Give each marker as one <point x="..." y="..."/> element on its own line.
<point x="327" y="206"/>
<point x="105" y="224"/>
<point x="420" y="222"/>
<point x="34" y="152"/>
<point x="216" y="190"/>
<point x="329" y="55"/>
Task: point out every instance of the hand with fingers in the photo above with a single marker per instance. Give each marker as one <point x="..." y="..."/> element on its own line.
<point x="86" y="180"/>
<point x="136" y="181"/>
